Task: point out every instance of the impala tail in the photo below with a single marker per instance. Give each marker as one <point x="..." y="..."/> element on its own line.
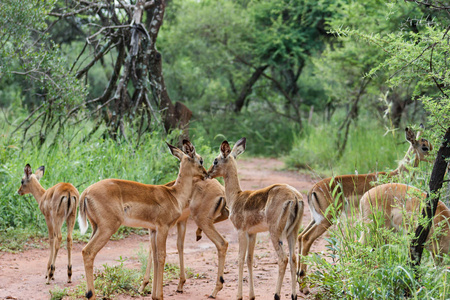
<point x="295" y="207"/>
<point x="82" y="218"/>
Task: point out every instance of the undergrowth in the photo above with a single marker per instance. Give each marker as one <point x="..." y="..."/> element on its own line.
<point x="378" y="269"/>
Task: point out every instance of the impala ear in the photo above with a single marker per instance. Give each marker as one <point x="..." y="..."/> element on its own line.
<point x="188" y="148"/>
<point x="175" y="151"/>
<point x="39" y="172"/>
<point x="28" y="171"/>
<point x="225" y="149"/>
<point x="239" y="147"/>
<point x="410" y="135"/>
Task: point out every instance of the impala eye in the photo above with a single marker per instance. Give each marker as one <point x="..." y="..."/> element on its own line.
<point x="22" y="181"/>
<point x="201" y="162"/>
<point x="216" y="162"/>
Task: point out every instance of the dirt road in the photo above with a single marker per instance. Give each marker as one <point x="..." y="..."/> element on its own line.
<point x="22" y="274"/>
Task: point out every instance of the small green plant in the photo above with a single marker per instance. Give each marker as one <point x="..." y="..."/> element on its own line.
<point x="58" y="293"/>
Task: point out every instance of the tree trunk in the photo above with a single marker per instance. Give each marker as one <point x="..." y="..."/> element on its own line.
<point x="247" y="88"/>
<point x="436" y="181"/>
<point x="173" y="116"/>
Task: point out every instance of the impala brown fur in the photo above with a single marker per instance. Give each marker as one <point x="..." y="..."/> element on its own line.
<point x="277" y="209"/>
<point x="110" y="203"/>
<point x="397" y="203"/>
<point x="207" y="206"/>
<point x="57" y="204"/>
<point x="350" y="189"/>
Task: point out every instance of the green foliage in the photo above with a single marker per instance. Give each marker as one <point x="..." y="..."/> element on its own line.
<point x="29" y="57"/>
<point x="82" y="164"/>
<point x="58" y="293"/>
<point x="376" y="270"/>
<point x="370" y="148"/>
<point x="266" y="133"/>
<point x="111" y="281"/>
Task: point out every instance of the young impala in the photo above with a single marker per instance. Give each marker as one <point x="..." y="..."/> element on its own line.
<point x="57" y="204"/>
<point x="350" y="189"/>
<point x="277" y="208"/>
<point x="110" y="203"/>
<point x="206" y="206"/>
<point x="397" y="203"/>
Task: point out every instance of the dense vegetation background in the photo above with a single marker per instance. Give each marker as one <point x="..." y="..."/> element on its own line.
<point x="92" y="89"/>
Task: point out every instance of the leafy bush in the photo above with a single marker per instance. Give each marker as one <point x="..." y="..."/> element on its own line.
<point x="379" y="269"/>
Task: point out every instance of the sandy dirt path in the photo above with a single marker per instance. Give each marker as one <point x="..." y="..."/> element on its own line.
<point x="22" y="274"/>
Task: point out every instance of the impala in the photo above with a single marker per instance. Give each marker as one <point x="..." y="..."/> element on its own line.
<point x="349" y="190"/>
<point x="397" y="203"/>
<point x="206" y="206"/>
<point x="57" y="204"/>
<point x="110" y="203"/>
<point x="277" y="208"/>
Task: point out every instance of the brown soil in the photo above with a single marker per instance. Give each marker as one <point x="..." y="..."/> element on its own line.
<point x="22" y="274"/>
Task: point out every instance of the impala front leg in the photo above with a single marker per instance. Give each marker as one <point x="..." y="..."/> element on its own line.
<point x="243" y="242"/>
<point x="161" y="238"/>
<point x="251" y="247"/>
<point x="51" y="235"/>
<point x="181" y="229"/>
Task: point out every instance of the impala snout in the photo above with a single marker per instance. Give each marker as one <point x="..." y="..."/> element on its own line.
<point x="20" y="192"/>
<point x="205" y="174"/>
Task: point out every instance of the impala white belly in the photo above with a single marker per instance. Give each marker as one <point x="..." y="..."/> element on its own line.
<point x="130" y="222"/>
<point x="260" y="227"/>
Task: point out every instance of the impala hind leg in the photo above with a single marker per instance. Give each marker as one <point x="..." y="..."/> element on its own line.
<point x="181" y="229"/>
<point x="149" y="265"/>
<point x="224" y="214"/>
<point x="97" y="242"/>
<point x="70" y="224"/>
<point x="282" y="263"/>
<point x="222" y="246"/>
<point x="293" y="264"/>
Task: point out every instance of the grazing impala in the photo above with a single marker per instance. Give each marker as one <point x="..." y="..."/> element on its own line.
<point x="350" y="189"/>
<point x="206" y="206"/>
<point x="277" y="208"/>
<point x="110" y="203"/>
<point x="397" y="203"/>
<point x="57" y="204"/>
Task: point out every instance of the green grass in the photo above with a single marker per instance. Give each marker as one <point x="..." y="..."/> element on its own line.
<point x="378" y="269"/>
<point x="369" y="149"/>
<point x="113" y="280"/>
<point x="82" y="164"/>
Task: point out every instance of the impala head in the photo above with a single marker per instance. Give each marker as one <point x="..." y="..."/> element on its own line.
<point x="420" y="146"/>
<point x="28" y="178"/>
<point x="226" y="157"/>
<point x="191" y="163"/>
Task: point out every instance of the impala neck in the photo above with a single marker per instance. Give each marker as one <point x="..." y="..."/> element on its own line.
<point x="232" y="186"/>
<point x="36" y="189"/>
<point x="183" y="187"/>
<point x="402" y="169"/>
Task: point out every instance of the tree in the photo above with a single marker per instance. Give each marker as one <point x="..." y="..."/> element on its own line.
<point x="27" y="52"/>
<point x="128" y="31"/>
<point x="256" y="51"/>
